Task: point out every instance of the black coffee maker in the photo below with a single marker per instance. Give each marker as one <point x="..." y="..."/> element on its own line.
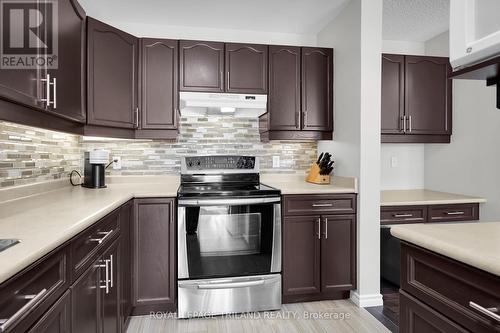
<point x="94" y="169"/>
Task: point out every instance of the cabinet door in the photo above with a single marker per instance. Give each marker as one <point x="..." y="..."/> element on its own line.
<point x="85" y="302"/>
<point x="301" y="255"/>
<point x="112" y="76"/>
<point x="428" y="95"/>
<point x="21" y="86"/>
<point x="126" y="259"/>
<point x="69" y="86"/>
<point x="246" y="68"/>
<point x="56" y="319"/>
<point x="393" y="75"/>
<point x="338" y="253"/>
<point x="154" y="286"/>
<point x="159" y="86"/>
<point x="201" y="66"/>
<point x="110" y="296"/>
<point x="284" y="88"/>
<point x="317" y="89"/>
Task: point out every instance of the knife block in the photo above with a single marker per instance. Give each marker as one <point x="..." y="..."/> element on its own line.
<point x="315" y="178"/>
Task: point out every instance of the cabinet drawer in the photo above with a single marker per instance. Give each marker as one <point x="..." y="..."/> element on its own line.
<point x="450" y="213"/>
<point x="319" y="204"/>
<point x="417" y="317"/>
<point x="25" y="297"/>
<point x="86" y="246"/>
<point x="449" y="286"/>
<point x="403" y="214"/>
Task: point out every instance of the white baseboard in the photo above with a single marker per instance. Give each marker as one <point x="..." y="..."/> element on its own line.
<point x="364" y="301"/>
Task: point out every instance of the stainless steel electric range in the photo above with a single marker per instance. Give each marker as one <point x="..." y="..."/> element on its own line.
<point x="229" y="238"/>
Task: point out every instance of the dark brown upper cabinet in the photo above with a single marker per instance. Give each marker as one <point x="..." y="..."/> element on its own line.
<point x="246" y="68"/>
<point x="317" y="89"/>
<point x="159" y="89"/>
<point x="68" y="80"/>
<point x="428" y="95"/>
<point x="393" y="100"/>
<point x="201" y="66"/>
<point x="284" y="88"/>
<point x="58" y="91"/>
<point x="300" y="104"/>
<point x="416" y="99"/>
<point x="112" y="76"/>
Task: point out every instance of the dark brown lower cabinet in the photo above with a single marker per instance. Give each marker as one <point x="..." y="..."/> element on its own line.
<point x="319" y="249"/>
<point x="56" y="319"/>
<point x="110" y="295"/>
<point x="85" y="302"/>
<point x="439" y="294"/>
<point x="416" y="317"/>
<point x="153" y="256"/>
<point x="301" y="253"/>
<point x="126" y="215"/>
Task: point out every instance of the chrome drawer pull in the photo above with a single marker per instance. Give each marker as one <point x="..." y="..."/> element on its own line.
<point x="6" y="323"/>
<point x="490" y="312"/>
<point x="231" y="285"/>
<point x="322" y="205"/>
<point x="101" y="240"/>
<point x="326" y="228"/>
<point x="454" y="213"/>
<point x="402" y="215"/>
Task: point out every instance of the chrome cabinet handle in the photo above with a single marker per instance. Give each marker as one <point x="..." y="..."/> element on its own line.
<point x="403" y="119"/>
<point x="402" y="215"/>
<point x="454" y="213"/>
<point x="54" y="86"/>
<point x="227" y="80"/>
<point x="322" y="205"/>
<point x="106" y="275"/>
<point x="136" y="123"/>
<point x="490" y="312"/>
<point x="326" y="228"/>
<point x="319" y="228"/>
<point x="222" y="80"/>
<point x="111" y="269"/>
<point x="47" y="90"/>
<point x="409" y="123"/>
<point x="101" y="240"/>
<point x="33" y="299"/>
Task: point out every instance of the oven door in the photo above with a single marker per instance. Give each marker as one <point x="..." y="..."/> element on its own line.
<point x="228" y="237"/>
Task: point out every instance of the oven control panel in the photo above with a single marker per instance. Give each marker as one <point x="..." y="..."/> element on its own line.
<point x="220" y="163"/>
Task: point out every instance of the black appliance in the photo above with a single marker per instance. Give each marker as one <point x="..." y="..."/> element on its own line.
<point x="94" y="169"/>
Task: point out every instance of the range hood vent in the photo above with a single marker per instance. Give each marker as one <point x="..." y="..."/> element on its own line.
<point x="237" y="105"/>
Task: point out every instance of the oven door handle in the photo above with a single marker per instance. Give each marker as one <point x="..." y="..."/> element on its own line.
<point x="231" y="285"/>
<point x="227" y="202"/>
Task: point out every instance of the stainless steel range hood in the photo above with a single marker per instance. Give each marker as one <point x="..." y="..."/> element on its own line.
<point x="237" y="105"/>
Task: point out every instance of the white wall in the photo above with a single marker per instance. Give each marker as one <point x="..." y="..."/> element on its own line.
<point x="470" y="163"/>
<point x="356" y="35"/>
<point x="403" y="47"/>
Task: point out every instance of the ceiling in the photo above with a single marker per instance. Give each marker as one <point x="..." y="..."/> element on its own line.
<point x="285" y="16"/>
<point x="415" y="20"/>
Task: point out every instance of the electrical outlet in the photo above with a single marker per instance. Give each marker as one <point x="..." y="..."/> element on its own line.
<point x="117" y="165"/>
<point x="394" y="162"/>
<point x="276" y="161"/>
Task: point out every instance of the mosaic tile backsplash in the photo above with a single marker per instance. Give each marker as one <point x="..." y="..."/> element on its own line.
<point x="29" y="155"/>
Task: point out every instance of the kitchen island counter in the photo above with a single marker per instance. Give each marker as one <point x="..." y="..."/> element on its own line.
<point x="474" y="244"/>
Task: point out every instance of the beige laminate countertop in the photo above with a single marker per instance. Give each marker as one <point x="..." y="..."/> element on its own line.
<point x="43" y="222"/>
<point x="475" y="244"/>
<point x="56" y="212"/>
<point x="424" y="197"/>
<point x="296" y="184"/>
